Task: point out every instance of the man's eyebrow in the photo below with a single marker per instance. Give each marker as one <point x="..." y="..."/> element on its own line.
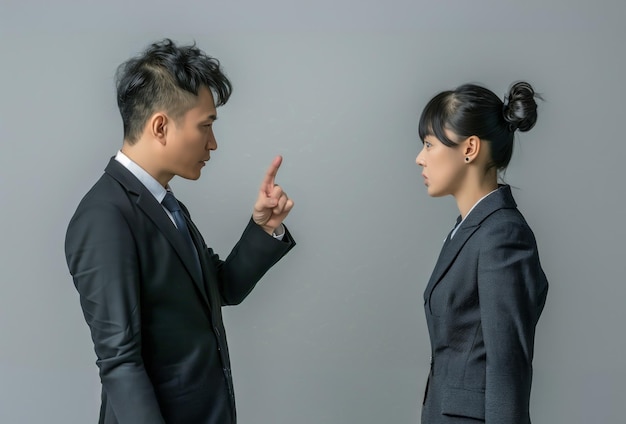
<point x="211" y="118"/>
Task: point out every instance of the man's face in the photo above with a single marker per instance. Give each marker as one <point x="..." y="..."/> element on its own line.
<point x="190" y="139"/>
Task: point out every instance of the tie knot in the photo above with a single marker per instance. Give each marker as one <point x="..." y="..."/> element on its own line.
<point x="170" y="202"/>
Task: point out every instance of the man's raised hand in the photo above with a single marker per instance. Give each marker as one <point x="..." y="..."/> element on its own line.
<point x="272" y="204"/>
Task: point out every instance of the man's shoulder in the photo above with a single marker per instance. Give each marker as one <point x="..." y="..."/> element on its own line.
<point x="113" y="184"/>
<point x="107" y="197"/>
<point x="105" y="190"/>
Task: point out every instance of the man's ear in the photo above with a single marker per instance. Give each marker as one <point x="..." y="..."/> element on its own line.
<point x="158" y="125"/>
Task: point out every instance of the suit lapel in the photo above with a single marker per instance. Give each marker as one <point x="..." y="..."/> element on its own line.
<point x="502" y="198"/>
<point x="153" y="209"/>
<point x="449" y="252"/>
<point x="208" y="268"/>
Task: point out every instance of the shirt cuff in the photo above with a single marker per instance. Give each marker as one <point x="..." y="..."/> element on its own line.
<point x="279" y="233"/>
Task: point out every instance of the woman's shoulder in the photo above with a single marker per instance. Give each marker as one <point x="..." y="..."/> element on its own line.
<point x="506" y="223"/>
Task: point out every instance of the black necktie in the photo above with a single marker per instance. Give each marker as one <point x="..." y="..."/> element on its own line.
<point x="171" y="204"/>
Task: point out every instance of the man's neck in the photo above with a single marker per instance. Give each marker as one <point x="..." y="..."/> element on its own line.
<point x="144" y="159"/>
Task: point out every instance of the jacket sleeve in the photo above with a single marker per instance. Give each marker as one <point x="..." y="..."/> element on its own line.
<point x="512" y="289"/>
<point x="253" y="255"/>
<point x="101" y="256"/>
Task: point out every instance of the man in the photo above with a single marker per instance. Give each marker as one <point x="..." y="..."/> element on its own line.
<point x="150" y="289"/>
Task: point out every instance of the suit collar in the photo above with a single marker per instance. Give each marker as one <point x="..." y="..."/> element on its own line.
<point x="500" y="199"/>
<point x="124" y="177"/>
<point x="151" y="183"/>
<point x="153" y="209"/>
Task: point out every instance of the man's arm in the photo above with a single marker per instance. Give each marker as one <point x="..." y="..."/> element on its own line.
<point x="253" y="255"/>
<point x="101" y="257"/>
<point x="257" y="250"/>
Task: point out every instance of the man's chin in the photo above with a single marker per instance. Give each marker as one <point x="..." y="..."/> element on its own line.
<point x="191" y="176"/>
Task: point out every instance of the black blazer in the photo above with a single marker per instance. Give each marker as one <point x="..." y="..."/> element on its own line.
<point x="155" y="322"/>
<point x="482" y="304"/>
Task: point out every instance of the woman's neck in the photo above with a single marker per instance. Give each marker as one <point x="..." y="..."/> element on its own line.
<point x="467" y="197"/>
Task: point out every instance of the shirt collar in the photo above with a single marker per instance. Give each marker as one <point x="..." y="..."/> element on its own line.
<point x="146" y="179"/>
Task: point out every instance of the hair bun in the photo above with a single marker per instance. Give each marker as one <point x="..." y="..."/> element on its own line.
<point x="520" y="108"/>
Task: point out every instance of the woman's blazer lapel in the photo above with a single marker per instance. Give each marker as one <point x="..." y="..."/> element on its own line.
<point x="502" y="198"/>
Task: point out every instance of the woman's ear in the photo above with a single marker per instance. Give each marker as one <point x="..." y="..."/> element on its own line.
<point x="471" y="148"/>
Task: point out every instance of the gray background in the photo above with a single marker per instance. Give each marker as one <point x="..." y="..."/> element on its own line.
<point x="335" y="333"/>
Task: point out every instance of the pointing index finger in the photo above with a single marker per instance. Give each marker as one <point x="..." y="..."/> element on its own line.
<point x="268" y="181"/>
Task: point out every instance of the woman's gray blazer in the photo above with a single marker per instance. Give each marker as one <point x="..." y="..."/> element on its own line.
<point x="482" y="302"/>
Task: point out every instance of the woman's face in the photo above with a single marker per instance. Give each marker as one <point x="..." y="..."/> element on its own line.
<point x="444" y="167"/>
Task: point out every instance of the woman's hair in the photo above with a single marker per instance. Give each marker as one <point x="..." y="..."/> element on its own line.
<point x="471" y="110"/>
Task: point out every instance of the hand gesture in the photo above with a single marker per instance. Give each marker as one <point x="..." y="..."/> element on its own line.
<point x="272" y="205"/>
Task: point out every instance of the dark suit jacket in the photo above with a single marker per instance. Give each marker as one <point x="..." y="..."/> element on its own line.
<point x="482" y="304"/>
<point x="155" y="322"/>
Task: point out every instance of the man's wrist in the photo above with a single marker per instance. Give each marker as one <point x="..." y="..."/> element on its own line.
<point x="279" y="232"/>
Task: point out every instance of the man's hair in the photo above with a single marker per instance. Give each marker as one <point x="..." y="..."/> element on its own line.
<point x="166" y="77"/>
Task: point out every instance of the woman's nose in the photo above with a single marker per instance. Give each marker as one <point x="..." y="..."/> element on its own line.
<point x="419" y="159"/>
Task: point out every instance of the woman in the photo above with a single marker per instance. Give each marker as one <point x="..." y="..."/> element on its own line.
<point x="487" y="291"/>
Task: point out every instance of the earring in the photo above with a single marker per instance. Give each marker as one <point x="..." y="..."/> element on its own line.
<point x="466" y="159"/>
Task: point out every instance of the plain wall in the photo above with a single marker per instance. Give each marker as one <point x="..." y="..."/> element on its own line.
<point x="335" y="333"/>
